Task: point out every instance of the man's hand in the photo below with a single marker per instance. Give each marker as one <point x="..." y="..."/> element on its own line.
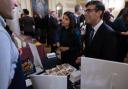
<point x="63" y="49"/>
<point x="78" y="60"/>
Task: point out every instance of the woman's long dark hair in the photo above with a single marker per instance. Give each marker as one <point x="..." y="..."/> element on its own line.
<point x="72" y="19"/>
<point x="123" y="12"/>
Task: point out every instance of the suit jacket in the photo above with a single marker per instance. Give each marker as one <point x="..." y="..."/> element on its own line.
<point x="103" y="45"/>
<point x="28" y="24"/>
<point x="51" y="26"/>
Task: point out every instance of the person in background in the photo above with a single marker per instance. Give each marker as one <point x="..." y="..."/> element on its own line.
<point x="52" y="26"/>
<point x="11" y="75"/>
<point x="28" y="24"/>
<point x="120" y="25"/>
<point x="100" y="39"/>
<point x="107" y="18"/>
<point x="38" y="26"/>
<point x="78" y="12"/>
<point x="80" y="21"/>
<point x="21" y="22"/>
<point x="70" y="43"/>
<point x="79" y="18"/>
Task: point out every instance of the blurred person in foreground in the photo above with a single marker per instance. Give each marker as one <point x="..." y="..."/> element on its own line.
<point x="11" y="76"/>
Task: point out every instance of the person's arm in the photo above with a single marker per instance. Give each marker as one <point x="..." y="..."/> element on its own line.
<point x="5" y="61"/>
<point x="63" y="49"/>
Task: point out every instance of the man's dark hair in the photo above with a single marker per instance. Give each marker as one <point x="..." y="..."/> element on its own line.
<point x="25" y="11"/>
<point x="99" y="6"/>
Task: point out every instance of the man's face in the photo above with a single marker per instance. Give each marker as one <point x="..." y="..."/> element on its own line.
<point x="80" y="10"/>
<point x="92" y="15"/>
<point x="6" y="7"/>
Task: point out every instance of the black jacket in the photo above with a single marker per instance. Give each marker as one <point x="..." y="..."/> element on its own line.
<point x="69" y="38"/>
<point x="103" y="45"/>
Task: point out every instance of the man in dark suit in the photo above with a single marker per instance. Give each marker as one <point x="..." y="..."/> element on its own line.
<point x="28" y="24"/>
<point x="51" y="25"/>
<point x="100" y="39"/>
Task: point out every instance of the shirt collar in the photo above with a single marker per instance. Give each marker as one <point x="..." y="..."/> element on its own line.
<point x="96" y="27"/>
<point x="76" y="15"/>
<point x="2" y="22"/>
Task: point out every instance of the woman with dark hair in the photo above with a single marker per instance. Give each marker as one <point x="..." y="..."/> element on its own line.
<point x="70" y="43"/>
<point x="121" y="27"/>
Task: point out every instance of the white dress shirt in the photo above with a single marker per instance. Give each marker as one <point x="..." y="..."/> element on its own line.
<point x="8" y="57"/>
<point x="96" y="27"/>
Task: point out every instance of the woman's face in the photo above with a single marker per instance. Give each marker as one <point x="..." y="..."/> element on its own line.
<point x="65" y="21"/>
